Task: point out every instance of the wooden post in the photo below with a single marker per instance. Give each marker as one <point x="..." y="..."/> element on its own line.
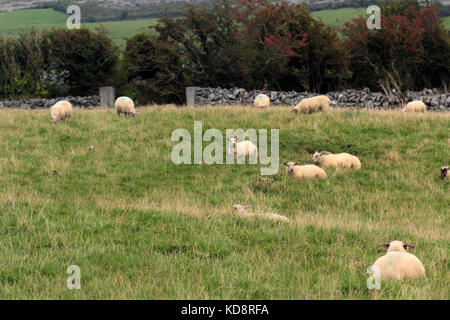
<point x="190" y="96"/>
<point x="107" y="97"/>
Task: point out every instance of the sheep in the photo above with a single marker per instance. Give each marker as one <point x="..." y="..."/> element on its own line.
<point x="415" y="106"/>
<point x="125" y="105"/>
<point x="398" y="264"/>
<point x="342" y="160"/>
<point x="314" y="104"/>
<point x="60" y="111"/>
<point x="261" y="101"/>
<point x="444" y="172"/>
<point x="304" y="172"/>
<point x="243" y="148"/>
<point x="242" y="212"/>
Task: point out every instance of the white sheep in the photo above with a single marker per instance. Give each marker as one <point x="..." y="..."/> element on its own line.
<point x="339" y="160"/>
<point x="242" y="211"/>
<point x="308" y="171"/>
<point x="125" y="105"/>
<point x="60" y="111"/>
<point x="243" y="148"/>
<point x="415" y="106"/>
<point x="398" y="264"/>
<point x="314" y="104"/>
<point x="261" y="101"/>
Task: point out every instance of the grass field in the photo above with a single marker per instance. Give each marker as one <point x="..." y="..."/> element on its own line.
<point x="142" y="227"/>
<point x="12" y="23"/>
<point x="339" y="16"/>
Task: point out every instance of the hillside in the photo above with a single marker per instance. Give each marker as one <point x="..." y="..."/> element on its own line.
<point x="11" y="23"/>
<point x="141" y="227"/>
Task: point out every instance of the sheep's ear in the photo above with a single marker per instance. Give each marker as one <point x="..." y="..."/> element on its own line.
<point x="247" y="207"/>
<point x="384" y="245"/>
<point x="408" y="246"/>
<point x="237" y="139"/>
<point x="285" y="163"/>
<point x="296" y="163"/>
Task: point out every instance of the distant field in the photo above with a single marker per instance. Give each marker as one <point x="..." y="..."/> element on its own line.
<point x="339" y="16"/>
<point x="12" y="23"/>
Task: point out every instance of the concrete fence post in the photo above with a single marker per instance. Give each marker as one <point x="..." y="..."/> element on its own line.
<point x="190" y="96"/>
<point x="107" y="97"/>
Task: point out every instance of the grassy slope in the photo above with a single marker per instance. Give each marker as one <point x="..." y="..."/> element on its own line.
<point x="12" y="23"/>
<point x="339" y="16"/>
<point x="141" y="227"/>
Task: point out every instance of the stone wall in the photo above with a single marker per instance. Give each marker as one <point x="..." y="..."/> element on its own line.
<point x="77" y="102"/>
<point x="434" y="99"/>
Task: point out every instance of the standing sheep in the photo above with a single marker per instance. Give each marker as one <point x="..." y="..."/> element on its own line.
<point x="398" y="264"/>
<point x="244" y="148"/>
<point x="304" y="172"/>
<point x="415" y="106"/>
<point x="342" y="160"/>
<point x="125" y="105"/>
<point x="314" y="104"/>
<point x="242" y="212"/>
<point x="60" y="111"/>
<point x="261" y="101"/>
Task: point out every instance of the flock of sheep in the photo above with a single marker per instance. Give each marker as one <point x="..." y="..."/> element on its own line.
<point x="396" y="264"/>
<point x="62" y="110"/>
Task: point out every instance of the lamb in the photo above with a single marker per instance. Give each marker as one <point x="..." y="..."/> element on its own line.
<point x="398" y="264"/>
<point x="60" y="111"/>
<point x="444" y="172"/>
<point x="304" y="172"/>
<point x="242" y="212"/>
<point x="261" y="101"/>
<point x="243" y="148"/>
<point x="125" y="105"/>
<point x="415" y="106"/>
<point x="314" y="104"/>
<point x="342" y="160"/>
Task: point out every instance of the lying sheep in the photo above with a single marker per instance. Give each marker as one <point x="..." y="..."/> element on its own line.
<point x="60" y="111"/>
<point x="125" y="105"/>
<point x="444" y="172"/>
<point x="304" y="172"/>
<point x="398" y="264"/>
<point x="242" y="211"/>
<point x="243" y="148"/>
<point x="415" y="106"/>
<point x="339" y="160"/>
<point x="261" y="101"/>
<point x="314" y="104"/>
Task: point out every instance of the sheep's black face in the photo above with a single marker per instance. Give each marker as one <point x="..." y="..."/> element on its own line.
<point x="444" y="172"/>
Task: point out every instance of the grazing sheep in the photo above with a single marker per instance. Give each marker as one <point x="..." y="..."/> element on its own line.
<point x="309" y="171"/>
<point x="242" y="212"/>
<point x="398" y="264"/>
<point x="314" y="104"/>
<point x="60" y="111"/>
<point x="444" y="172"/>
<point x="415" y="106"/>
<point x="243" y="148"/>
<point x="342" y="160"/>
<point x="261" y="101"/>
<point x="125" y="105"/>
